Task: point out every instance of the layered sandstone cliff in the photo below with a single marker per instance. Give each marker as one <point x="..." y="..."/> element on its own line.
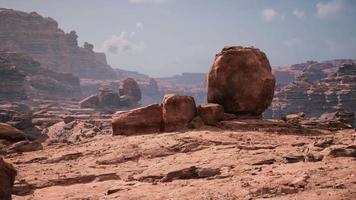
<point x="40" y="38"/>
<point x="21" y="77"/>
<point x="320" y="87"/>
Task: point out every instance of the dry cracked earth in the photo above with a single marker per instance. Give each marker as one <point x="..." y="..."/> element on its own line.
<point x="224" y="163"/>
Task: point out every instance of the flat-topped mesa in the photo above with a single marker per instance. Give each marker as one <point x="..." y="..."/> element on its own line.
<point x="241" y="80"/>
<point x="40" y="38"/>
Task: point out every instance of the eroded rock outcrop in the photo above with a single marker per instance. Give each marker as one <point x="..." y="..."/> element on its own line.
<point x="241" y="80"/>
<point x="41" y="39"/>
<point x="130" y="91"/>
<point x="7" y="179"/>
<point x="11" y="134"/>
<point x="12" y="85"/>
<point x="320" y="87"/>
<point x="25" y="77"/>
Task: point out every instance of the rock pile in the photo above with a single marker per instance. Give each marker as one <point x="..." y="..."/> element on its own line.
<point x="241" y="80"/>
<point x="176" y="113"/>
<point x="130" y="95"/>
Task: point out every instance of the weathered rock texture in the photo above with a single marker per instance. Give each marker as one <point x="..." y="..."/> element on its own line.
<point x="40" y="38"/>
<point x="7" y="179"/>
<point x="320" y="87"/>
<point x="25" y="77"/>
<point x="241" y="80"/>
<point x="11" y="134"/>
<point x="211" y="113"/>
<point x="178" y="111"/>
<point x="141" y="120"/>
<point x="12" y="85"/>
<point x="130" y="90"/>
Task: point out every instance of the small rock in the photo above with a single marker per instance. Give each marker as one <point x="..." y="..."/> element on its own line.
<point x="68" y="119"/>
<point x="300" y="182"/>
<point x="265" y="162"/>
<point x="211" y="113"/>
<point x="196" y="123"/>
<point x="26" y="146"/>
<point x="294" y="158"/>
<point x="70" y="125"/>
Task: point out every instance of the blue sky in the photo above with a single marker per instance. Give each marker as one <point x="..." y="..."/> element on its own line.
<point x="166" y="37"/>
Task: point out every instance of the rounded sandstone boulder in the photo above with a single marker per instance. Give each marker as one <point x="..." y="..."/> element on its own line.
<point x="130" y="88"/>
<point x="211" y="113"/>
<point x="178" y="111"/>
<point x="241" y="80"/>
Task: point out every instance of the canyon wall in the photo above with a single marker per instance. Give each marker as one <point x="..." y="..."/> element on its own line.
<point x="23" y="77"/>
<point x="317" y="88"/>
<point x="40" y="38"/>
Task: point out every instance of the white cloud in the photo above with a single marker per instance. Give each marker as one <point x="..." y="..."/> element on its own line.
<point x="293" y="42"/>
<point x="145" y="1"/>
<point x="139" y="25"/>
<point x="269" y="14"/>
<point x="121" y="43"/>
<point x="298" y="13"/>
<point x="328" y="9"/>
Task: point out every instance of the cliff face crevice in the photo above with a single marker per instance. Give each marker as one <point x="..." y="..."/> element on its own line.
<point x="41" y="39"/>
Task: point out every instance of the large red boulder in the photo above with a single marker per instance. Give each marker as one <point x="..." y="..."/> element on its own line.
<point x="241" y="80"/>
<point x="138" y="121"/>
<point x="7" y="178"/>
<point x="178" y="111"/>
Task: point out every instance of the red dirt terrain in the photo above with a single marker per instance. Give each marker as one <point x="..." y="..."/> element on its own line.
<point x="240" y="159"/>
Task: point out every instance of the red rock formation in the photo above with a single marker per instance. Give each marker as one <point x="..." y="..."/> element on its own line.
<point x="7" y="179"/>
<point x="141" y="120"/>
<point x="40" y="38"/>
<point x="25" y="77"/>
<point x="178" y="111"/>
<point x="319" y="88"/>
<point x="241" y="81"/>
<point x="131" y="90"/>
<point x="211" y="113"/>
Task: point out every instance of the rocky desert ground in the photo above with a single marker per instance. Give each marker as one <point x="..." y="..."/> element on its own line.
<point x="240" y="159"/>
<point x="73" y="127"/>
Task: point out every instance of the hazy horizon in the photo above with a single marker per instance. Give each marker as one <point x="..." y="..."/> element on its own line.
<point x="168" y="37"/>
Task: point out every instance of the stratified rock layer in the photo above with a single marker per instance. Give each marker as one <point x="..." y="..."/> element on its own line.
<point x="319" y="88"/>
<point x="25" y="77"/>
<point x="40" y="38"/>
<point x="241" y="80"/>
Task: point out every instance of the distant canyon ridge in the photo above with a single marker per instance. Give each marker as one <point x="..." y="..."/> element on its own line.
<point x="37" y="58"/>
